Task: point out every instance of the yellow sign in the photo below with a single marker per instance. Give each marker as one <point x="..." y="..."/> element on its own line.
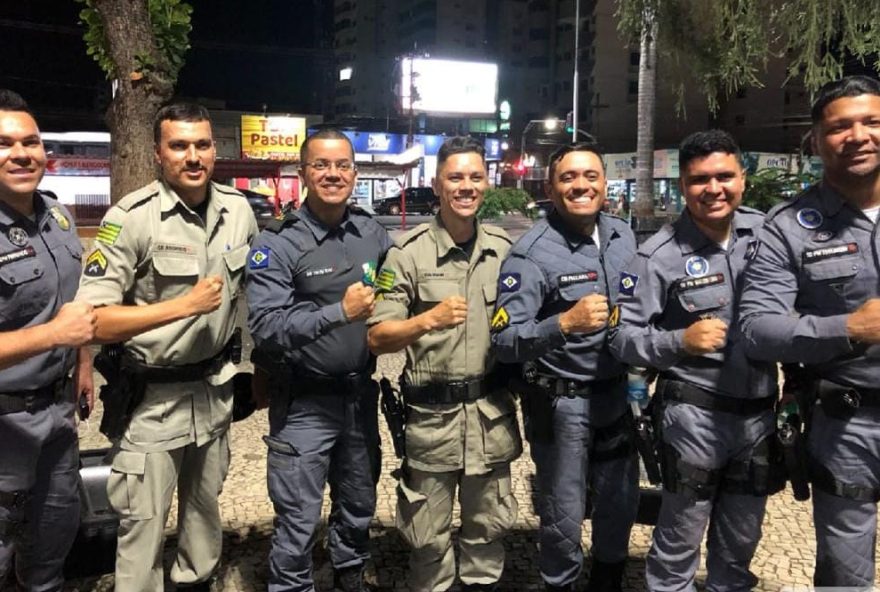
<point x="272" y="138"/>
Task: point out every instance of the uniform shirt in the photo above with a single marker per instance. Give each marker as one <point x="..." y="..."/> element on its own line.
<point x="679" y="277"/>
<point x="40" y="263"/>
<point x="298" y="272"/>
<point x="816" y="264"/>
<point x="548" y="270"/>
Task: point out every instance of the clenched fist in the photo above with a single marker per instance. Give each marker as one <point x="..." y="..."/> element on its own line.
<point x="704" y="337"/>
<point x="206" y="295"/>
<point x="589" y="314"/>
<point x="358" y="302"/>
<point x="450" y="312"/>
<point x="863" y="324"/>
<point x="74" y="325"/>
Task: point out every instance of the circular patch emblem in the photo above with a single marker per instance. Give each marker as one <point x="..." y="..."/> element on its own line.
<point x="696" y="266"/>
<point x="810" y="218"/>
<point x="823" y="236"/>
<point x="17" y="236"/>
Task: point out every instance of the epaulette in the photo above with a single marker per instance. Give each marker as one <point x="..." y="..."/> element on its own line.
<point x="411" y="235"/>
<point x="497" y="232"/>
<point x="791" y="202"/>
<point x="660" y="238"/>
<point x="524" y="244"/>
<point x="748" y="210"/>
<point x="136" y="198"/>
<point x="283" y="219"/>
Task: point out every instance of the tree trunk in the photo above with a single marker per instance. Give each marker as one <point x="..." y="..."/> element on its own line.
<point x="643" y="208"/>
<point x="140" y="91"/>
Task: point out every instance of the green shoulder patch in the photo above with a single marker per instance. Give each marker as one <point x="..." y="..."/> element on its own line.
<point x="108" y="233"/>
<point x="385" y="279"/>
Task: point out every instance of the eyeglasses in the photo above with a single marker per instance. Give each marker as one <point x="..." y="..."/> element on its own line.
<point x="343" y="166"/>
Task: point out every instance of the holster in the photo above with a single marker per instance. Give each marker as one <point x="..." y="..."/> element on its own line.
<point x="395" y="416"/>
<point x="537" y="405"/>
<point x="647" y="445"/>
<point x="122" y="393"/>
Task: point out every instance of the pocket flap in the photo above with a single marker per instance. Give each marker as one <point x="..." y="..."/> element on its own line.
<point x="494" y="408"/>
<point x="20" y="272"/>
<point x="75" y="249"/>
<point x="410" y="495"/>
<point x="236" y="258"/>
<point x="437" y="291"/>
<point x="707" y="298"/>
<point x="490" y="293"/>
<point x="832" y="269"/>
<point x="176" y="266"/>
<point x="129" y="462"/>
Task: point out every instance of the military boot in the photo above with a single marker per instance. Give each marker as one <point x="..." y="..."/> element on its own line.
<point x="351" y="579"/>
<point x="606" y="577"/>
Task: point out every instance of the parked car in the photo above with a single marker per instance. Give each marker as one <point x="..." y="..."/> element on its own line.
<point x="419" y="200"/>
<point x="262" y="206"/>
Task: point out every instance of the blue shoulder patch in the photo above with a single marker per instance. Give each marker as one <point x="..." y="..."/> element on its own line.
<point x="259" y="258"/>
<point x="628" y="283"/>
<point x="509" y="282"/>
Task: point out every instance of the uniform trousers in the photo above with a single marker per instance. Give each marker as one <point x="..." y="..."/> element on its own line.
<point x="140" y="489"/>
<point x="424" y="518"/>
<point x="315" y="439"/>
<point x="39" y="457"/>
<point x="566" y="475"/>
<point x="709" y="440"/>
<point x="846" y="529"/>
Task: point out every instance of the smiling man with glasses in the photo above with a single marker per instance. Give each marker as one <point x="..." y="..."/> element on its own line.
<point x="310" y="289"/>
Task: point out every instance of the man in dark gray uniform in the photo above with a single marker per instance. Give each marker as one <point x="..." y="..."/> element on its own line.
<point x="553" y="297"/>
<point x="40" y="331"/>
<point x="811" y="297"/>
<point x="677" y="302"/>
<point x="310" y="288"/>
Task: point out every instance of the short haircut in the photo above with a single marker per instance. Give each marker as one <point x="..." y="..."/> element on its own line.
<point x="560" y="153"/>
<point x="327" y="133"/>
<point x="12" y="101"/>
<point x="178" y="112"/>
<point x="459" y="145"/>
<point x="848" y="86"/>
<point x="702" y="144"/>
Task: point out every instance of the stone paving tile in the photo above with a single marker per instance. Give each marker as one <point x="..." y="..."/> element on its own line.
<point x="784" y="557"/>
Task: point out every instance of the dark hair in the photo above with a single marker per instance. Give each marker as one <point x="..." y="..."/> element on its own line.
<point x="327" y="133"/>
<point x="459" y="145"/>
<point x="848" y="86"/>
<point x="702" y="144"/>
<point x="178" y="112"/>
<point x="12" y="101"/>
<point x="560" y="153"/>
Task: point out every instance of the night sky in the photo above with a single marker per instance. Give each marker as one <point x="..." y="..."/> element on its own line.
<point x="243" y="53"/>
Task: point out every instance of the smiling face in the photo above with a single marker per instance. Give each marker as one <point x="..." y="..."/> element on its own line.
<point x="847" y="138"/>
<point x="332" y="183"/>
<point x="186" y="156"/>
<point x="713" y="187"/>
<point x="460" y="184"/>
<point x="577" y="188"/>
<point x="22" y="156"/>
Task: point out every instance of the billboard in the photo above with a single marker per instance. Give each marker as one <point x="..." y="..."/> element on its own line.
<point x="429" y="85"/>
<point x="272" y="137"/>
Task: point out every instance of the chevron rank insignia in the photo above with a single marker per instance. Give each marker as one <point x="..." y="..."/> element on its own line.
<point x="96" y="265"/>
<point x="500" y="320"/>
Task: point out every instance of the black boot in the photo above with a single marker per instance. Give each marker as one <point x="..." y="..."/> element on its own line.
<point x="606" y="577"/>
<point x="351" y="579"/>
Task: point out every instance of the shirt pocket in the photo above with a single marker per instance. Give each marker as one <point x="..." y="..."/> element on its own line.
<point x="434" y="292"/>
<point x="22" y="293"/>
<point x="235" y="260"/>
<point x="174" y="276"/>
<point x="490" y="295"/>
<point x="830" y="283"/>
<point x="703" y="300"/>
<point x="501" y="438"/>
<point x="433" y="434"/>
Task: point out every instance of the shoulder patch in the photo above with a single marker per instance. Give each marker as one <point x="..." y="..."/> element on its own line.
<point x="96" y="264"/>
<point x="614" y="317"/>
<point x="509" y="282"/>
<point x="657" y="240"/>
<point x="259" y="258"/>
<point x="500" y="320"/>
<point x="108" y="232"/>
<point x="385" y="279"/>
<point x="628" y="283"/>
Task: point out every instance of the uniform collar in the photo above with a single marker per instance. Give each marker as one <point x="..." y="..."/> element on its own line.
<point x="691" y="239"/>
<point x="321" y="230"/>
<point x="444" y="241"/>
<point x="9" y="216"/>
<point x="168" y="198"/>
<point x="574" y="239"/>
<point x="830" y="201"/>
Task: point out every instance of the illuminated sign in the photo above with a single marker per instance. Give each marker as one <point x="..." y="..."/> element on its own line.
<point x="273" y="137"/>
<point x="448" y="86"/>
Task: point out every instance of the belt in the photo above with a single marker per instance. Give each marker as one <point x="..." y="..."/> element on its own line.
<point x="33" y="400"/>
<point x="677" y="390"/>
<point x="315" y="384"/>
<point x="564" y="387"/>
<point x="455" y="391"/>
<point x="184" y="372"/>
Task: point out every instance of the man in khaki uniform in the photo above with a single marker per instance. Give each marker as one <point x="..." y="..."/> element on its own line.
<point x="436" y="295"/>
<point x="164" y="275"/>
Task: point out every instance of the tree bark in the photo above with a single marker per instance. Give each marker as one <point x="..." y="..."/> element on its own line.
<point x="140" y="91"/>
<point x="643" y="208"/>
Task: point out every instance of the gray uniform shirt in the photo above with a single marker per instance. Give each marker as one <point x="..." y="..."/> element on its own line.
<point x="547" y="271"/>
<point x="817" y="262"/>
<point x="298" y="272"/>
<point x="40" y="263"/>
<point x="679" y="277"/>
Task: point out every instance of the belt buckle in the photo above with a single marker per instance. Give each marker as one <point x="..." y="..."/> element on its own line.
<point x="458" y="390"/>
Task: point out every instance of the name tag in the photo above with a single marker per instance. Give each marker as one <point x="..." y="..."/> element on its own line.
<point x="700" y="282"/>
<point x="577" y="278"/>
<point x="830" y="252"/>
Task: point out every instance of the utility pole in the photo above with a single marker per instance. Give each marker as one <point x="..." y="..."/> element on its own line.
<point x="575" y="78"/>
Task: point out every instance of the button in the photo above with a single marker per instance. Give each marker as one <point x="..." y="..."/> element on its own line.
<point x="36" y="272"/>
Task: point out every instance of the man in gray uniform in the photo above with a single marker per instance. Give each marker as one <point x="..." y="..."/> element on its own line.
<point x="165" y="275"/>
<point x="677" y="302"/>
<point x="309" y="290"/>
<point x="553" y="305"/>
<point x="40" y="331"/>
<point x="811" y="297"/>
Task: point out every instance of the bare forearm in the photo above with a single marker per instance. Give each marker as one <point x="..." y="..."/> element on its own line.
<point x="122" y="322"/>
<point x="392" y="336"/>
<point x="17" y="346"/>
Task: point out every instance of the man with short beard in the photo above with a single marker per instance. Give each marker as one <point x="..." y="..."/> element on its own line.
<point x="812" y="296"/>
<point x="164" y="276"/>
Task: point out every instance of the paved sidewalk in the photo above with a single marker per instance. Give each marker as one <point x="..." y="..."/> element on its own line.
<point x="784" y="558"/>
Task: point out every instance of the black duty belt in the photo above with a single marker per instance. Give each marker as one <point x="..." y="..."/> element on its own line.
<point x="677" y="390"/>
<point x="33" y="400"/>
<point x="456" y="391"/>
<point x="185" y="372"/>
<point x="564" y="387"/>
<point x="316" y="384"/>
<point x="850" y="396"/>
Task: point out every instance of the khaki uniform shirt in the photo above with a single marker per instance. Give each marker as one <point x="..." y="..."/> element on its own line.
<point x="151" y="247"/>
<point x="421" y="270"/>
